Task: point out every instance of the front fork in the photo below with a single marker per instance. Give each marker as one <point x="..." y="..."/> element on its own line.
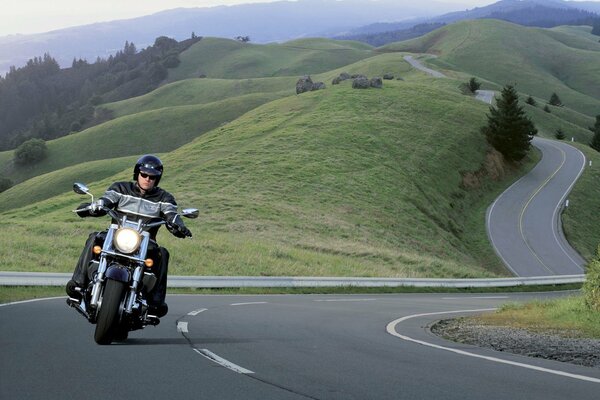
<point x="138" y="273"/>
<point x="97" y="288"/>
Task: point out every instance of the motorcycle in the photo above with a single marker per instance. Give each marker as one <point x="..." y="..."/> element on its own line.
<point x="121" y="276"/>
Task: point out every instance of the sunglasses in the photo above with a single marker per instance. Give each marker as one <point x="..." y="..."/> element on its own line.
<point x="146" y="176"/>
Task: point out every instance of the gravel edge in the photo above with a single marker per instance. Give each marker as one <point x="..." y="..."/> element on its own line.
<point x="549" y="345"/>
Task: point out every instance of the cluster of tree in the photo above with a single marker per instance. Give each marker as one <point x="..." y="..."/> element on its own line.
<point x="41" y="100"/>
<point x="382" y="38"/>
<point x="596" y="27"/>
<point x="509" y="129"/>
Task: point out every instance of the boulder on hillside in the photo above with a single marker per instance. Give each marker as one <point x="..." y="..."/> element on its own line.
<point x="304" y="84"/>
<point x="344" y="76"/>
<point x="388" y="77"/>
<point x="356" y="76"/>
<point x="376" y="82"/>
<point x="336" y="80"/>
<point x="318" y="86"/>
<point x="361" y="83"/>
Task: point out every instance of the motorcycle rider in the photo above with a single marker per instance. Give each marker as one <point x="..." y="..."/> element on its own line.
<point x="142" y="198"/>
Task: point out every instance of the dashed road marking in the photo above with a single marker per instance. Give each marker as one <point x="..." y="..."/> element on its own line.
<point x="223" y="362"/>
<point x="182" y="327"/>
<point x="343" y="300"/>
<point x="196" y="312"/>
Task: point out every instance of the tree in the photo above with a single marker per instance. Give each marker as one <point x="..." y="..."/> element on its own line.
<point x="531" y="101"/>
<point x="595" y="143"/>
<point x="555" y="100"/>
<point x="243" y="39"/>
<point x="30" y="152"/>
<point x="509" y="130"/>
<point x="560" y="134"/>
<point x="473" y="85"/>
<point x="546" y="108"/>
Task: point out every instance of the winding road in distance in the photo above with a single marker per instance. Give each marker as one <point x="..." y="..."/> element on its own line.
<point x="524" y="223"/>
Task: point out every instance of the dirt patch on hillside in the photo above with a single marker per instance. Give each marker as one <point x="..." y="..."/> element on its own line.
<point x="494" y="167"/>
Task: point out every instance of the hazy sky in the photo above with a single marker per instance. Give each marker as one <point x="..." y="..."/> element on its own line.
<point x="32" y="16"/>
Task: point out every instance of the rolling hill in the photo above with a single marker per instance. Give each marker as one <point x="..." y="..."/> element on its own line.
<point x="222" y="58"/>
<point x="336" y="182"/>
<point x="538" y="61"/>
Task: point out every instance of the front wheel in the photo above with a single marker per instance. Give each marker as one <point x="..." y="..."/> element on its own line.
<point x="110" y="311"/>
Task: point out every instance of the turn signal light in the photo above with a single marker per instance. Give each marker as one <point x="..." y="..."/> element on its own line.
<point x="97" y="250"/>
<point x="149" y="262"/>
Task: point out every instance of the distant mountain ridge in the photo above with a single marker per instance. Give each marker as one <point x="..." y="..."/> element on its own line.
<point x="548" y="13"/>
<point x="262" y="22"/>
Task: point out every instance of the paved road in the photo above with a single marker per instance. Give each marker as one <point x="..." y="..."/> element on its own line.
<point x="275" y="347"/>
<point x="418" y="65"/>
<point x="524" y="222"/>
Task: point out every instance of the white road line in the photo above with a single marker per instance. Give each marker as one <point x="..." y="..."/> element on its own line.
<point x="250" y="303"/>
<point x="223" y="362"/>
<point x="196" y="312"/>
<point x="14" y="303"/>
<point x="475" y="297"/>
<point x="335" y="300"/>
<point x="391" y="329"/>
<point x="182" y="327"/>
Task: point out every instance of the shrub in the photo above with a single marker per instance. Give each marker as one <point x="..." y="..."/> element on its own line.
<point x="591" y="287"/>
<point x="75" y="126"/>
<point x="531" y="101"/>
<point x="560" y="135"/>
<point x="30" y="152"/>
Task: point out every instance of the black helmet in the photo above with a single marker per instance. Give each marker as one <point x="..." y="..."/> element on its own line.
<point x="150" y="165"/>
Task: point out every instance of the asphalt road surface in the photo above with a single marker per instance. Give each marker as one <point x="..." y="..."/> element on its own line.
<point x="524" y="222"/>
<point x="275" y="347"/>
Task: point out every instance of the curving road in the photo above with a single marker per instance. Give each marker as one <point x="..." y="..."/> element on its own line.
<point x="276" y="347"/>
<point x="524" y="222"/>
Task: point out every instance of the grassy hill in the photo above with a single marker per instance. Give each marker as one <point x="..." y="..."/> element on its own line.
<point x="338" y="182"/>
<point x="334" y="182"/>
<point x="538" y="61"/>
<point x="56" y="182"/>
<point x="224" y="58"/>
<point x="201" y="91"/>
<point x="143" y="132"/>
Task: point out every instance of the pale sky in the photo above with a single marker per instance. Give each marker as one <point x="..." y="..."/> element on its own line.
<point x="33" y="16"/>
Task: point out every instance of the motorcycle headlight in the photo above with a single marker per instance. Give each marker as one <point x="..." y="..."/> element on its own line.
<point x="127" y="240"/>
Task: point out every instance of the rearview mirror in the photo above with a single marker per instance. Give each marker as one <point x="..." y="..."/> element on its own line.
<point x="80" y="188"/>
<point x="190" y="212"/>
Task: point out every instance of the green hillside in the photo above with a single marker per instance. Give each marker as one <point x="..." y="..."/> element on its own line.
<point x="201" y="91"/>
<point x="334" y="182"/>
<point x="159" y="130"/>
<point x="538" y="61"/>
<point x="223" y="58"/>
<point x="54" y="183"/>
<point x="337" y="182"/>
